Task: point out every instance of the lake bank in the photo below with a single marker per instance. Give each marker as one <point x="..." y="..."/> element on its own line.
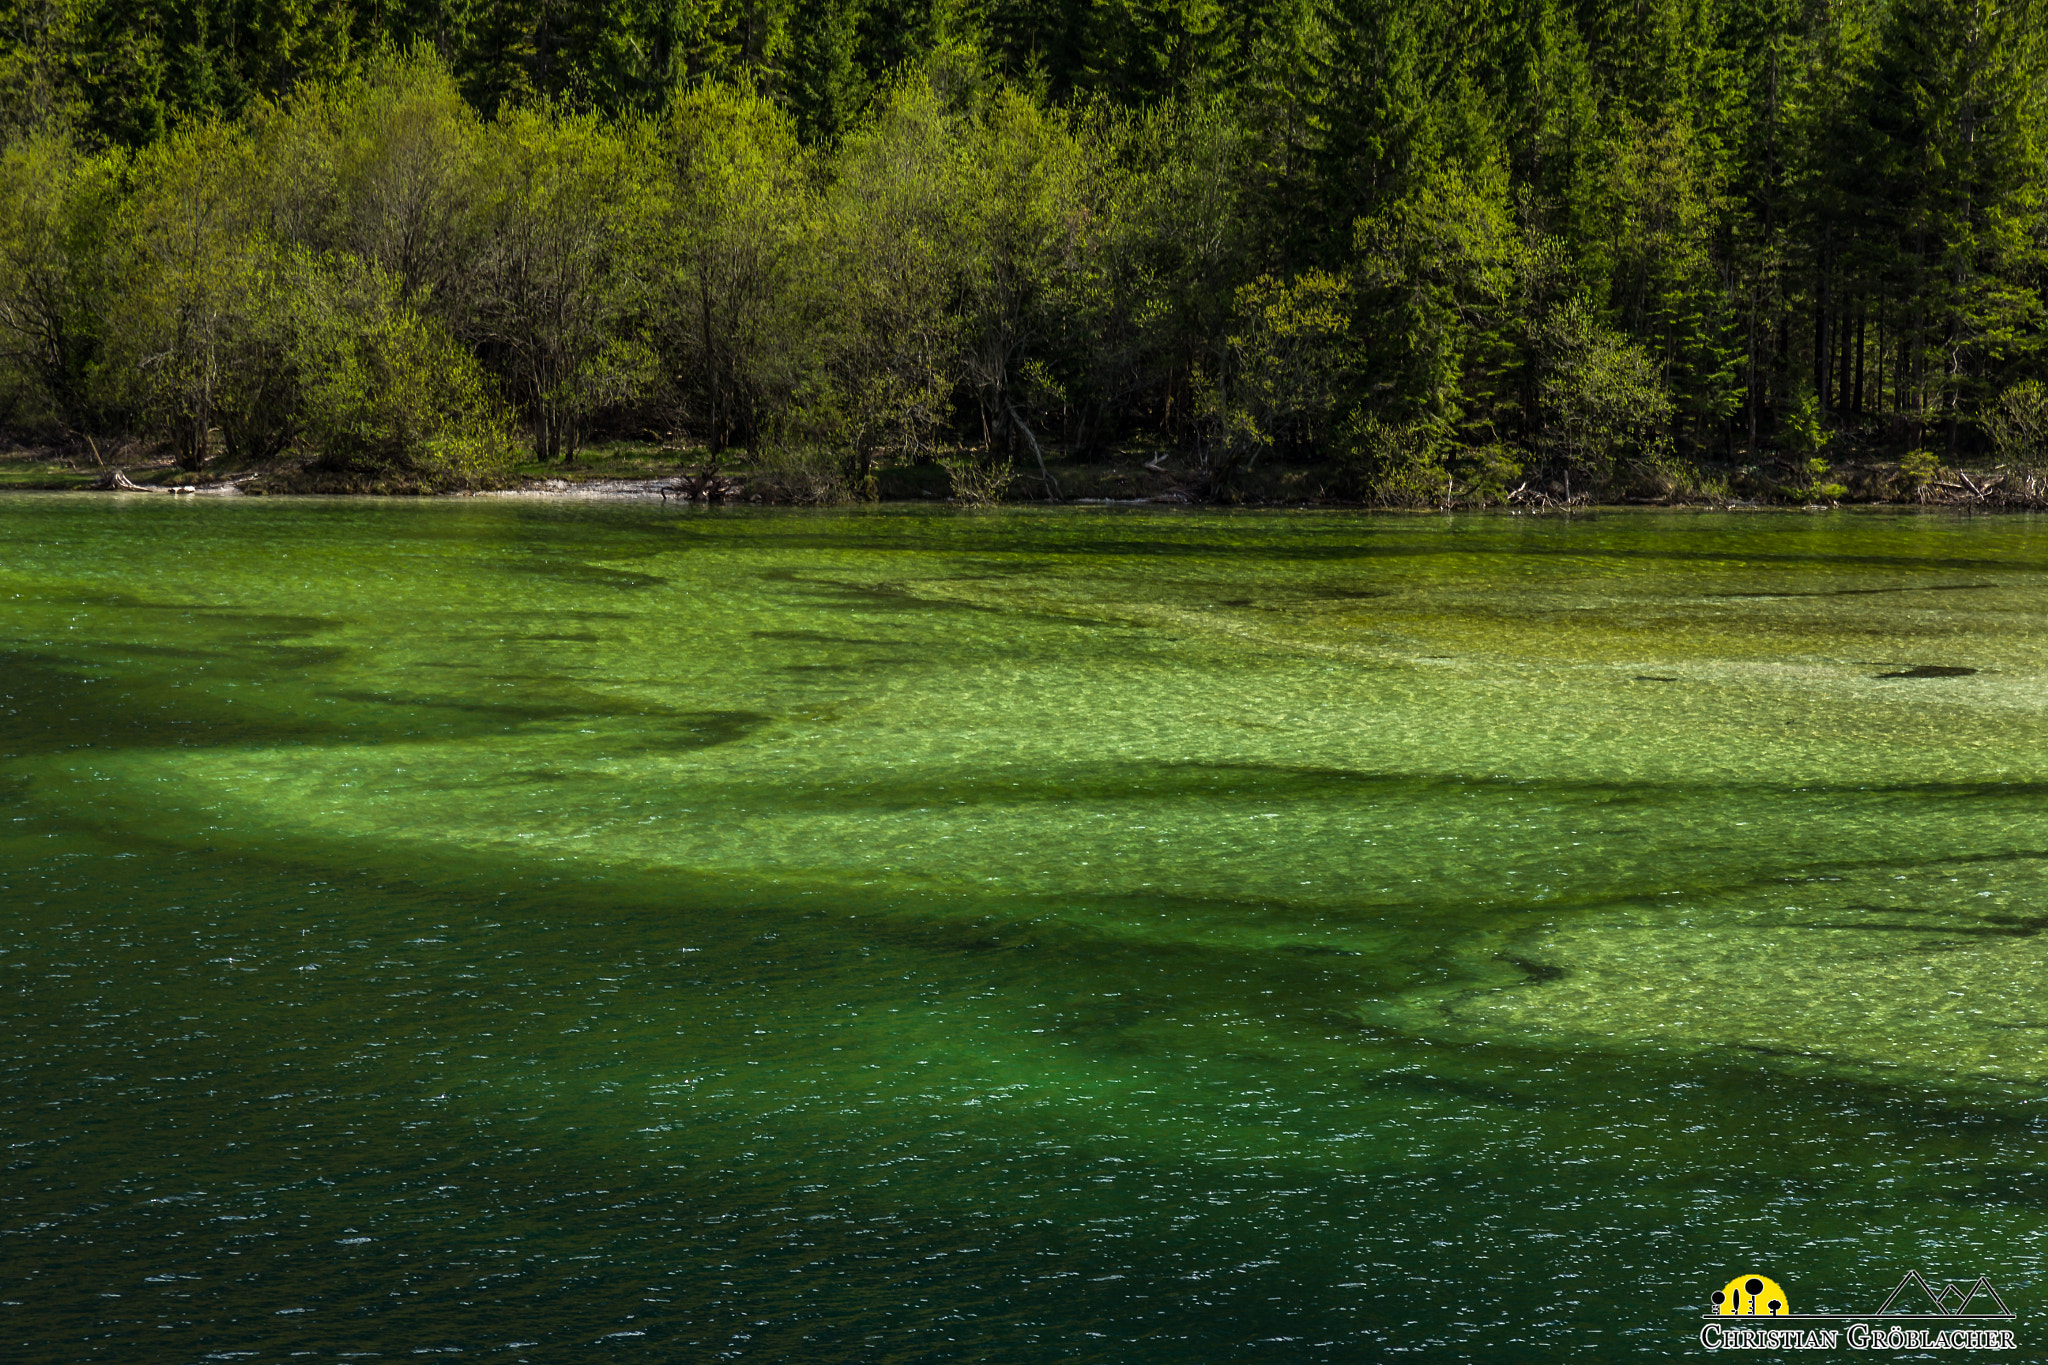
<point x="1138" y="478"/>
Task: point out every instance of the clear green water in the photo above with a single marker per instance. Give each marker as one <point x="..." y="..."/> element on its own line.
<point x="571" y="932"/>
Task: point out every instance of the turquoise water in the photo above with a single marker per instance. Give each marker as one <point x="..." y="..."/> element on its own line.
<point x="564" y="931"/>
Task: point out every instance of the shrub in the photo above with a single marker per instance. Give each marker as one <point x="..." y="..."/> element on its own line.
<point x="1603" y="401"/>
<point x="1918" y="469"/>
<point x="388" y="393"/>
<point x="1392" y="464"/>
<point x="2018" y="424"/>
<point x="1291" y="359"/>
<point x="978" y="479"/>
<point x="1484" y="474"/>
<point x="800" y="473"/>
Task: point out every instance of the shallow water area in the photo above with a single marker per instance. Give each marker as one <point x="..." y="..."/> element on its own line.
<point x="560" y="931"/>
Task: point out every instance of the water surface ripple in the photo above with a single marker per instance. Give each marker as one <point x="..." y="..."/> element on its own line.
<point x="561" y="932"/>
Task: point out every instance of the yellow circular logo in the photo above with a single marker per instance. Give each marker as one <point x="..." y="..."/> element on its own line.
<point x="1751" y="1296"/>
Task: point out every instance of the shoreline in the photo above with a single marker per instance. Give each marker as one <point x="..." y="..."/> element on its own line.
<point x="650" y="491"/>
<point x="1106" y="484"/>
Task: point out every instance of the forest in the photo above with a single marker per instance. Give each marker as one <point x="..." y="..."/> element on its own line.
<point x="1429" y="250"/>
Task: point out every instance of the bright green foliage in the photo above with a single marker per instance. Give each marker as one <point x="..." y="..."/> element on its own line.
<point x="388" y="393"/>
<point x="2018" y="424"/>
<point x="723" y="272"/>
<point x="1469" y="244"/>
<point x="57" y="277"/>
<point x="1031" y="257"/>
<point x="407" y="178"/>
<point x="1603" y="402"/>
<point x="39" y="73"/>
<point x="1918" y="469"/>
<point x="1292" y="355"/>
<point x="202" y="313"/>
<point x="884" y="288"/>
<point x="1806" y="435"/>
<point x="211" y="289"/>
<point x="1446" y="269"/>
<point x="1392" y="464"/>
<point x="567" y="203"/>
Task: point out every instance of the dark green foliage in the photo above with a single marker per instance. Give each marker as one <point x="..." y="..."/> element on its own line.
<point x="1437" y="246"/>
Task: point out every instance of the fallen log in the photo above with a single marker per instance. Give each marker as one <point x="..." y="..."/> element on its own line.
<point x="116" y="481"/>
<point x="706" y="486"/>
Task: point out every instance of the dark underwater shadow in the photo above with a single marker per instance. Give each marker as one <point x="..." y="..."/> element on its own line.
<point x="94" y="697"/>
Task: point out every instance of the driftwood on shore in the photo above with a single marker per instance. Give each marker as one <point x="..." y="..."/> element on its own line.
<point x="1547" y="500"/>
<point x="119" y="482"/>
<point x="1969" y="490"/>
<point x="705" y="486"/>
<point x="114" y="480"/>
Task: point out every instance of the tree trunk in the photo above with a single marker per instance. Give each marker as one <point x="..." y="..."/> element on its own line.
<point x="1845" y="374"/>
<point x="1822" y="354"/>
<point x="1052" y="489"/>
<point x="1862" y="320"/>
<point x="717" y="431"/>
<point x="1755" y="396"/>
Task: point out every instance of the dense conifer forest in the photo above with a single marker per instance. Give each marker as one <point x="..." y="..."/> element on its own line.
<point x="1432" y="249"/>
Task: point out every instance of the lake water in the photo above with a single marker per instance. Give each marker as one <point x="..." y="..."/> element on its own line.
<point x="564" y="932"/>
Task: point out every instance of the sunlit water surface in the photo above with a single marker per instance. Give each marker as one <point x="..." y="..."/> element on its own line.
<point x="571" y="932"/>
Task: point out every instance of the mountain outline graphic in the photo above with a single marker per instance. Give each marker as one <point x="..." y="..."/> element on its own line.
<point x="1950" y="1301"/>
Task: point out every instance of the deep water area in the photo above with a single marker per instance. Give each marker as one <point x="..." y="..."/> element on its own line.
<point x="561" y="931"/>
